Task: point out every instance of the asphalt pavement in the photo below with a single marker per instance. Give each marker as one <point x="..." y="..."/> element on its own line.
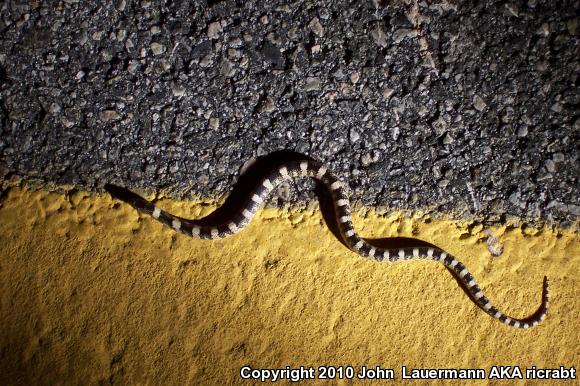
<point x="467" y="109"/>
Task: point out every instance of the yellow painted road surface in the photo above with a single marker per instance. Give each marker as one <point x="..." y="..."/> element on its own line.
<point x="93" y="292"/>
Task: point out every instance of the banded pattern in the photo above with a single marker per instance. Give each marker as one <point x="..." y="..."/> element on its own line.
<point x="342" y="208"/>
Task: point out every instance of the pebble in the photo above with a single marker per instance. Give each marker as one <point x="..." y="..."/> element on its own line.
<point x="403" y="33"/>
<point x="369" y="158"/>
<point x="120" y="5"/>
<point x="550" y="166"/>
<point x="214" y="123"/>
<point x="387" y="92"/>
<point x="108" y="115"/>
<point x="121" y="35"/>
<point x="157" y="48"/>
<point x="440" y="126"/>
<point x="312" y="84"/>
<point x="493" y="245"/>
<point x="479" y="103"/>
<point x="354" y="77"/>
<point x="512" y="9"/>
<point x="316" y="27"/>
<point x="214" y="29"/>
<point x="206" y="61"/>
<point x="268" y="105"/>
<point x="354" y="135"/>
<point x="54" y="108"/>
<point x="177" y="89"/>
<point x="324" y="14"/>
<point x="558" y="157"/>
<point x="379" y="37"/>
<point x="448" y="139"/>
<point x="106" y="55"/>
<point x="133" y="66"/>
<point x="516" y="199"/>
<point x="227" y="68"/>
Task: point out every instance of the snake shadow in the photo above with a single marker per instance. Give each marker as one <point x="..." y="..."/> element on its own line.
<point x="240" y="194"/>
<point x="328" y="214"/>
<point x="252" y="177"/>
<point x="247" y="182"/>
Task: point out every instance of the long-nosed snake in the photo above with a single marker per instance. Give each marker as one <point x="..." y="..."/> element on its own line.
<point x="342" y="209"/>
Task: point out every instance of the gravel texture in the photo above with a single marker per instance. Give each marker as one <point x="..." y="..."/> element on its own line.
<point x="466" y="109"/>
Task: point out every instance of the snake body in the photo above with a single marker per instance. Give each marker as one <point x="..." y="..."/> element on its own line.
<point x="317" y="170"/>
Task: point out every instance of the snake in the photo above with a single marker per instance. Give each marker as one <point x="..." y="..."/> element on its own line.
<point x="342" y="209"/>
